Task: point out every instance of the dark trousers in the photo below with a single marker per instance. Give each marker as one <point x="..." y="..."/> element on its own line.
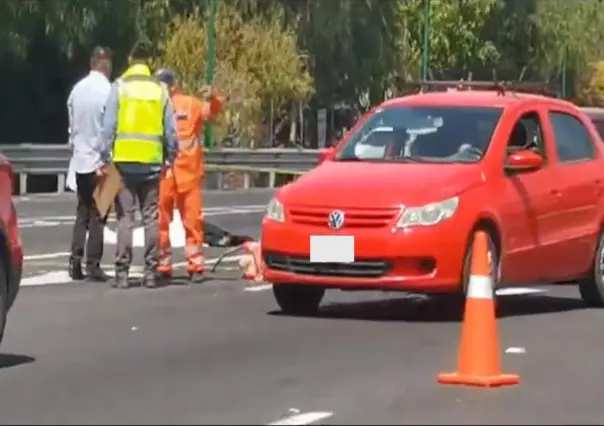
<point x="88" y="220"/>
<point x="146" y="192"/>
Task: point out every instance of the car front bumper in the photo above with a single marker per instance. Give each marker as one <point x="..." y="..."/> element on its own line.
<point x="422" y="259"/>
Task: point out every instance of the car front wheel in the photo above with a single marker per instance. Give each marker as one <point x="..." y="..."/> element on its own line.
<point x="297" y="299"/>
<point x="592" y="287"/>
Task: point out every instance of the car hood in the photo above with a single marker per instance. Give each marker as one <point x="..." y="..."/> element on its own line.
<point x="347" y="184"/>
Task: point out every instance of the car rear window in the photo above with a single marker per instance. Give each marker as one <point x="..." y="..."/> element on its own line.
<point x="424" y="134"/>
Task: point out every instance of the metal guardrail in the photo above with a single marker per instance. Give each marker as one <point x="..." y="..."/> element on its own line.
<point x="36" y="159"/>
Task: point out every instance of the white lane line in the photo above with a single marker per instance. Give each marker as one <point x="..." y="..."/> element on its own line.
<point x="46" y="255"/>
<point x="303" y="418"/>
<point x="176" y="265"/>
<point x="261" y="287"/>
<point x="519" y="291"/>
<point x="209" y="211"/>
<point x="67" y="221"/>
<point x="227" y="259"/>
<point x="62" y="277"/>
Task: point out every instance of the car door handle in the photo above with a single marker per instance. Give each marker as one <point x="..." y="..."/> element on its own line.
<point x="556" y="192"/>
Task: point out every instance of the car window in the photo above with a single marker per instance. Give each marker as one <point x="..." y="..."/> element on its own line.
<point x="527" y="133"/>
<point x="572" y="139"/>
<point x="423" y="133"/>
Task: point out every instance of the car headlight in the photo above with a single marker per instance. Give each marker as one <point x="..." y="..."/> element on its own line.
<point x="275" y="210"/>
<point x="428" y="215"/>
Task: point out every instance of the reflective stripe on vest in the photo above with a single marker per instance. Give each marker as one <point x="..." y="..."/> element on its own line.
<point x="140" y="118"/>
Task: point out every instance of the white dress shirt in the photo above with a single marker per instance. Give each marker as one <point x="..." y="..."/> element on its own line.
<point x="86" y="105"/>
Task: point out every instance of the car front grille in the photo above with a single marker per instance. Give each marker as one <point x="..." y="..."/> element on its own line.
<point x="365" y="268"/>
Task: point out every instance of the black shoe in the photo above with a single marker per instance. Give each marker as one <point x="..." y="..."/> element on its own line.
<point x="120" y="281"/>
<point x="75" y="270"/>
<point x="95" y="273"/>
<point x="196" y="277"/>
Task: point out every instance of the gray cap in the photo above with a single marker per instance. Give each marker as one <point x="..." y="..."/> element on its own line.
<point x="166" y="76"/>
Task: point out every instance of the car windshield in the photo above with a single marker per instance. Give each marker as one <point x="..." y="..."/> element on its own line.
<point x="440" y="134"/>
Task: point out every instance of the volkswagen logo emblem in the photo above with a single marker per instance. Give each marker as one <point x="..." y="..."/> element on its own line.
<point x="336" y="219"/>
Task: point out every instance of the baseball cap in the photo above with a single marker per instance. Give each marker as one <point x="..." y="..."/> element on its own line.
<point x="166" y="76"/>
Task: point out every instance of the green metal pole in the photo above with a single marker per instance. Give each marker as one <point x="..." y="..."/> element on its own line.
<point x="564" y="67"/>
<point x="211" y="63"/>
<point x="426" y="48"/>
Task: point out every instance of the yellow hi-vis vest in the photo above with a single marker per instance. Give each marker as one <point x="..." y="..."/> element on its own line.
<point x="140" y="128"/>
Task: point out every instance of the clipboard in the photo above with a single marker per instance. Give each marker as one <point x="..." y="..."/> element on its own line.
<point x="107" y="189"/>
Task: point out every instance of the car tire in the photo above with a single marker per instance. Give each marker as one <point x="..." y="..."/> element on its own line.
<point x="591" y="288"/>
<point x="297" y="299"/>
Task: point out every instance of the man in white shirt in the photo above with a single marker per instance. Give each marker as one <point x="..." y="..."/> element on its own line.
<point x="86" y="105"/>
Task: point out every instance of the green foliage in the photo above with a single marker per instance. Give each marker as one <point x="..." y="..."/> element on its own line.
<point x="272" y="54"/>
<point x="258" y="64"/>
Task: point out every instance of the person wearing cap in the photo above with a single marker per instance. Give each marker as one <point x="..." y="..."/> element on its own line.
<point x="181" y="185"/>
<point x="85" y="107"/>
<point x="139" y="136"/>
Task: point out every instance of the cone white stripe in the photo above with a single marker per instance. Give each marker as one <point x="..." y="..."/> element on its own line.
<point x="480" y="287"/>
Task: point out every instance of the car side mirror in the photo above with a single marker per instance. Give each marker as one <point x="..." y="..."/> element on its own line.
<point x="523" y="161"/>
<point x="327" y="154"/>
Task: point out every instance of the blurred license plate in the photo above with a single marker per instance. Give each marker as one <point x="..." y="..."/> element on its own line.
<point x="332" y="249"/>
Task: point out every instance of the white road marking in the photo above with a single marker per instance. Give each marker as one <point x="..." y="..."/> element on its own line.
<point x="62" y="277"/>
<point x="46" y="255"/>
<point x="519" y="291"/>
<point x="515" y="350"/>
<point x="303" y="418"/>
<point x="261" y="287"/>
<point x="39" y="221"/>
<point x="227" y="259"/>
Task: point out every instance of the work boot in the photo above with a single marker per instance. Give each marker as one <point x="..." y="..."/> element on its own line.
<point x="75" y="269"/>
<point x="196" y="277"/>
<point x="95" y="273"/>
<point x="120" y="280"/>
<point x="165" y="274"/>
<point x="154" y="281"/>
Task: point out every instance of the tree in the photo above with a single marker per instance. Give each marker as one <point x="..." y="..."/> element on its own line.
<point x="258" y="64"/>
<point x="456" y="39"/>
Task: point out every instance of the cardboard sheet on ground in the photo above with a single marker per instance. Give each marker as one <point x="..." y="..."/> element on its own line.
<point x="107" y="189"/>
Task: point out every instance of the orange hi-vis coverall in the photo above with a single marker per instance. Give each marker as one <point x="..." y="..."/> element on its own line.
<point x="180" y="186"/>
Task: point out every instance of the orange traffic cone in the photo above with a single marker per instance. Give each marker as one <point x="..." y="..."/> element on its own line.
<point x="251" y="262"/>
<point x="479" y="362"/>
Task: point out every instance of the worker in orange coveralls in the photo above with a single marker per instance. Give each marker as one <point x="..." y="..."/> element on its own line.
<point x="181" y="185"/>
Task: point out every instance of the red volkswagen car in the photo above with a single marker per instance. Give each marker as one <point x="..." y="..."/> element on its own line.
<point x="396" y="204"/>
<point x="11" y="249"/>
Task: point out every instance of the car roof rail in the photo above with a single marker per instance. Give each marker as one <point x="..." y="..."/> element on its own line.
<point x="501" y="87"/>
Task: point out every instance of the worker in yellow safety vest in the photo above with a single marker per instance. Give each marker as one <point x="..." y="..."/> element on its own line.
<point x="139" y="136"/>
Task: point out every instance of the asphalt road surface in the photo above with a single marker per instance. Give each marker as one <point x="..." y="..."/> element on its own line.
<point x="46" y="224"/>
<point x="220" y="353"/>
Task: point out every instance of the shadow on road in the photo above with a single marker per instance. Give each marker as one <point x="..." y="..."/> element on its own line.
<point x="12" y="360"/>
<point x="441" y="310"/>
